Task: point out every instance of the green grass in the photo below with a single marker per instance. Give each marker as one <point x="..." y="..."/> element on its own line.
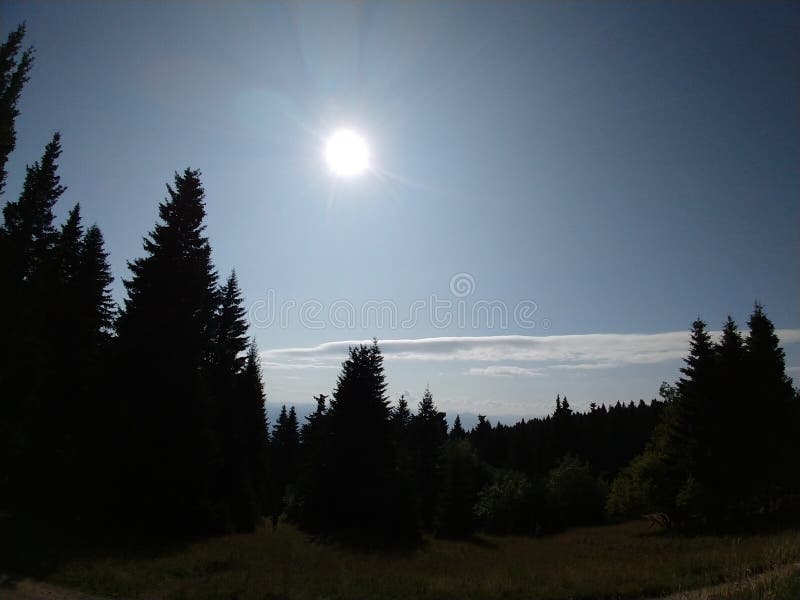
<point x="784" y="586"/>
<point x="616" y="561"/>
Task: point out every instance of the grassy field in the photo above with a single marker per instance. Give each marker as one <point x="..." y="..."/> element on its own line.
<point x="616" y="561"/>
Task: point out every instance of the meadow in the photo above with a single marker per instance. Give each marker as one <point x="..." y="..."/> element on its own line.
<point x="628" y="560"/>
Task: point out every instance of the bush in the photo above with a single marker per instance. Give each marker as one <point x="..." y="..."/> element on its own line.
<point x="463" y="474"/>
<point x="506" y="505"/>
<point x="574" y="495"/>
<point x="633" y="491"/>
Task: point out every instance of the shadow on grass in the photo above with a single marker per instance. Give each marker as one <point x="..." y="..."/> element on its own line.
<point x="36" y="548"/>
<point x="479" y="542"/>
<point x="366" y="544"/>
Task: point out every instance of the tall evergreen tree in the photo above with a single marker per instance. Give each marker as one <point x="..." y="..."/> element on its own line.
<point x="366" y="493"/>
<point x="254" y="446"/>
<point x="92" y="316"/>
<point x="563" y="427"/>
<point x="64" y="373"/>
<point x="165" y="346"/>
<point x="457" y="432"/>
<point x="689" y="424"/>
<point x="28" y="229"/>
<point x="93" y="282"/>
<point x="729" y="454"/>
<point x="76" y="336"/>
<point x="481" y="438"/>
<point x="401" y="417"/>
<point x="239" y="412"/>
<point x="230" y="331"/>
<point x="310" y="503"/>
<point x="428" y="435"/>
<point x="307" y="430"/>
<point x="27" y="257"/>
<point x="14" y="69"/>
<point x="772" y="463"/>
<point x="285" y="455"/>
<point x="294" y="428"/>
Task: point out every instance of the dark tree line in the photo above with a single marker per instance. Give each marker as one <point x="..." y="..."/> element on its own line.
<point x="606" y="437"/>
<point x="720" y="447"/>
<point x="147" y="418"/>
<point x="369" y="470"/>
<point x="728" y="443"/>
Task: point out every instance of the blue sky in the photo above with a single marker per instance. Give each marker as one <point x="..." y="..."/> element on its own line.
<point x="603" y="168"/>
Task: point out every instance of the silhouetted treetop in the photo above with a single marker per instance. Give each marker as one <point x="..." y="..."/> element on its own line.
<point x="29" y="229"/>
<point x="14" y="69"/>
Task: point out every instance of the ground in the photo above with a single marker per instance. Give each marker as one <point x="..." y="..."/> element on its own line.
<point x="628" y="560"/>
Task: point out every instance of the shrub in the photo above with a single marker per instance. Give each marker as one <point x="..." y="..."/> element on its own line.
<point x="463" y="475"/>
<point x="506" y="505"/>
<point x="575" y="496"/>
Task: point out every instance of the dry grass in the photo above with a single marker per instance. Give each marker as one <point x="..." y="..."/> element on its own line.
<point x="617" y="561"/>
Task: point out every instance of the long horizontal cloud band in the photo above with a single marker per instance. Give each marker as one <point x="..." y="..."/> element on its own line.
<point x="586" y="351"/>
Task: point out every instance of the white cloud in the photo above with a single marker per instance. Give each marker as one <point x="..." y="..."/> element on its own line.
<point x="293" y="366"/>
<point x="502" y="371"/>
<point x="585" y="351"/>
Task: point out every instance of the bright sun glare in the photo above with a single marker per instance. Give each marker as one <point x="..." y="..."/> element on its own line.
<point x="347" y="153"/>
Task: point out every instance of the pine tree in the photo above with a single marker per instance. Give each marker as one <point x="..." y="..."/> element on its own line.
<point x="481" y="438"/>
<point x="64" y="373"/>
<point x="238" y="400"/>
<point x="68" y="246"/>
<point x="92" y="317"/>
<point x="294" y="429"/>
<point x="93" y="282"/>
<point x="310" y="505"/>
<point x="165" y="346"/>
<point x="563" y="426"/>
<point x="727" y="479"/>
<point x="28" y="229"/>
<point x="14" y="69"/>
<point x="285" y="455"/>
<point x="60" y="327"/>
<point x="428" y="435"/>
<point x="76" y="337"/>
<point x="230" y="330"/>
<point x="457" y="432"/>
<point x="773" y="424"/>
<point x="307" y="431"/>
<point x="366" y="495"/>
<point x="401" y="417"/>
<point x="254" y="453"/>
<point x="29" y="282"/>
<point x="689" y="437"/>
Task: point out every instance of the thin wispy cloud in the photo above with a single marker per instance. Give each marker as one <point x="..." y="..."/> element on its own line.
<point x="293" y="366"/>
<point x="587" y="351"/>
<point x="503" y="371"/>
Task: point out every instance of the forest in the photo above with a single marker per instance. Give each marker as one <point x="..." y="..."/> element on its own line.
<point x="149" y="417"/>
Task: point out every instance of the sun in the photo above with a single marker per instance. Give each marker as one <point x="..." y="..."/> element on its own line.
<point x="347" y="153"/>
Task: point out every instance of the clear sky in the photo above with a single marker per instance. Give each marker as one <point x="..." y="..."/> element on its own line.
<point x="578" y="168"/>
